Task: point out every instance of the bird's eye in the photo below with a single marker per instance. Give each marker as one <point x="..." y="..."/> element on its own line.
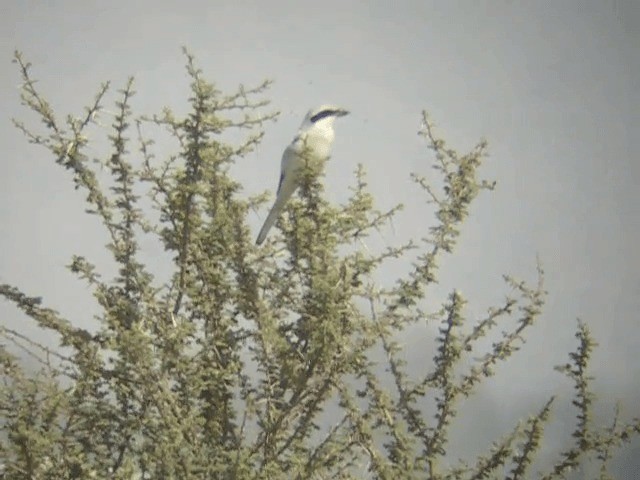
<point x="322" y="114"/>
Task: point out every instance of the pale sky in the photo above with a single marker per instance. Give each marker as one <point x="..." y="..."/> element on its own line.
<point x="553" y="86"/>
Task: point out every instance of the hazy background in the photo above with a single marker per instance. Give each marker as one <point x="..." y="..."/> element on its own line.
<point x="554" y="89"/>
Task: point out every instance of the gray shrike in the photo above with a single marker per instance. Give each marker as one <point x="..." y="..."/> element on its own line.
<point x="313" y="141"/>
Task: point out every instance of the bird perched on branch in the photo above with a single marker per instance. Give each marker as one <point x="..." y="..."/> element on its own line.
<point x="313" y="141"/>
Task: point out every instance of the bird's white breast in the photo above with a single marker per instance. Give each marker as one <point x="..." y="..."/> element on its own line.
<point x="317" y="142"/>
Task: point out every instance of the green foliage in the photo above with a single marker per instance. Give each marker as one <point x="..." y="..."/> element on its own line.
<point x="229" y="368"/>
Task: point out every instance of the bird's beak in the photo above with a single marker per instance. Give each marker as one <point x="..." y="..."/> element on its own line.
<point x="342" y="112"/>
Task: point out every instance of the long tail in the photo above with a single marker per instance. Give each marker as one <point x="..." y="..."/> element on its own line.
<point x="283" y="195"/>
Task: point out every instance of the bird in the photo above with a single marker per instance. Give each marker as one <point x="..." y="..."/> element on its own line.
<point x="313" y="141"/>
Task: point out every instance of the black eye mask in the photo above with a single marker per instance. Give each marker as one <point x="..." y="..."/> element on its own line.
<point x="323" y="114"/>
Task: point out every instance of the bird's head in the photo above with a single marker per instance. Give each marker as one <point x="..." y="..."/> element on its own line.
<point x="323" y="116"/>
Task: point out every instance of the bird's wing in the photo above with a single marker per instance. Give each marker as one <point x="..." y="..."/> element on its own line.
<point x="288" y="184"/>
